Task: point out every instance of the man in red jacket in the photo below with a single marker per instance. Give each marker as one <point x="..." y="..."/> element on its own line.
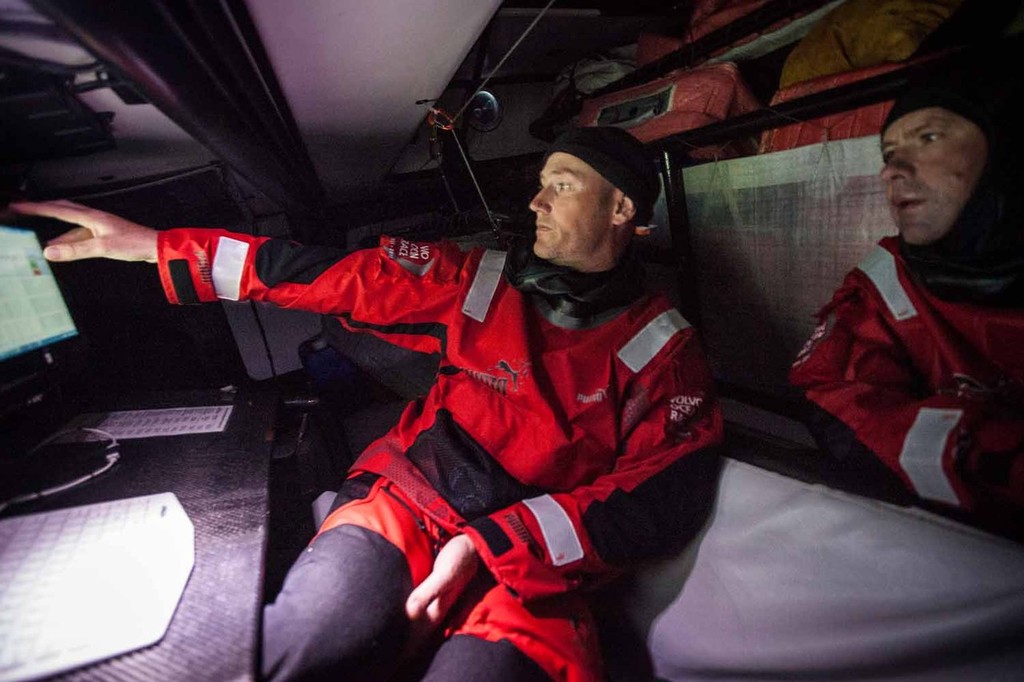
<point x="572" y="429"/>
<point x="915" y="376"/>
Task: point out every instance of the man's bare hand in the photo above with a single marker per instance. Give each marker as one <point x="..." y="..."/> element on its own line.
<point x="454" y="568"/>
<point x="99" y="235"/>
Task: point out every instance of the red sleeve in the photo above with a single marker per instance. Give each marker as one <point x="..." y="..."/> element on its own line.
<point x="959" y="450"/>
<point x="401" y="290"/>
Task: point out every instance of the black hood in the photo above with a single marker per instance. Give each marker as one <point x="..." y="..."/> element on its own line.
<point x="981" y="260"/>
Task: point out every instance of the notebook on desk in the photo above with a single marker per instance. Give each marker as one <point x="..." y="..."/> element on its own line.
<point x="85" y="583"/>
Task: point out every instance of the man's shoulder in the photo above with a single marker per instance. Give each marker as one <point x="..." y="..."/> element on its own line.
<point x="654" y="315"/>
<point x="881" y="280"/>
<point x="885" y="245"/>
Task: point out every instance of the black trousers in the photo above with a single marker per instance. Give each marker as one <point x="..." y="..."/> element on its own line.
<point x="340" y="615"/>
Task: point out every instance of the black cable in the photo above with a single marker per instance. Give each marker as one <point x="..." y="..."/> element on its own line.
<point x="263" y="335"/>
<point x="112" y="456"/>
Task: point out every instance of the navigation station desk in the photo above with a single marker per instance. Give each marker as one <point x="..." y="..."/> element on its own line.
<point x="221" y="480"/>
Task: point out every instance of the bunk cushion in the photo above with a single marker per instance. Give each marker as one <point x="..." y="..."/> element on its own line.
<point x="679" y="101"/>
<point x="859" y="122"/>
<point x="796" y="581"/>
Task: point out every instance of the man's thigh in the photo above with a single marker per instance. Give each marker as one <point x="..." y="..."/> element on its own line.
<point x="470" y="659"/>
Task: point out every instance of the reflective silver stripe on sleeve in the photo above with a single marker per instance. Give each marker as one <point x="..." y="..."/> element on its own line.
<point x="559" y="535"/>
<point x="485" y="283"/>
<point x="923" y="447"/>
<point x="642" y="348"/>
<point x="880" y="267"/>
<point x="227" y="267"/>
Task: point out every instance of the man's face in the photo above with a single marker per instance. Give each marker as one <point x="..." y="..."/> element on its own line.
<point x="933" y="159"/>
<point x="578" y="224"/>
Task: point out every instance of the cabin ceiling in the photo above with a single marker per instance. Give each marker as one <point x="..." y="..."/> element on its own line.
<point x="319" y="96"/>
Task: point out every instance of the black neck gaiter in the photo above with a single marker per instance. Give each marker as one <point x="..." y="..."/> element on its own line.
<point x="981" y="260"/>
<point x="571" y="299"/>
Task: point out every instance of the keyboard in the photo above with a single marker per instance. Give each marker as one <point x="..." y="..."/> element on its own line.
<point x="127" y="424"/>
<point x="84" y="584"/>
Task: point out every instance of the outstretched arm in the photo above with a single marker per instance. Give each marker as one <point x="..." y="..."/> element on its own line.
<point x="98" y="235"/>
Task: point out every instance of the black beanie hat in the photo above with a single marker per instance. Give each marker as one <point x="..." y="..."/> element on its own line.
<point x="620" y="158"/>
<point x="959" y="101"/>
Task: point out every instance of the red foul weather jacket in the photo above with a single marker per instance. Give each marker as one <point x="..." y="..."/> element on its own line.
<point x="564" y="454"/>
<point x="934" y="389"/>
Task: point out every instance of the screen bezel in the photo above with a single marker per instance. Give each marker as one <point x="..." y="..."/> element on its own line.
<point x="28" y="378"/>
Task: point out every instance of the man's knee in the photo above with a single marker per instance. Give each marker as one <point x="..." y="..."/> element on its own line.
<point x="340" y="611"/>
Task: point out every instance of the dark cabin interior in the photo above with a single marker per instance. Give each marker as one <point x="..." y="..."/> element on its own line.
<point x="333" y="123"/>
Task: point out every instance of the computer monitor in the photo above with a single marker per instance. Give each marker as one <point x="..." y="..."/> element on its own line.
<point x="34" y="320"/>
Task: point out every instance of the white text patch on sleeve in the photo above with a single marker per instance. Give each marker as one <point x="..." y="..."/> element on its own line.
<point x="416" y="257"/>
